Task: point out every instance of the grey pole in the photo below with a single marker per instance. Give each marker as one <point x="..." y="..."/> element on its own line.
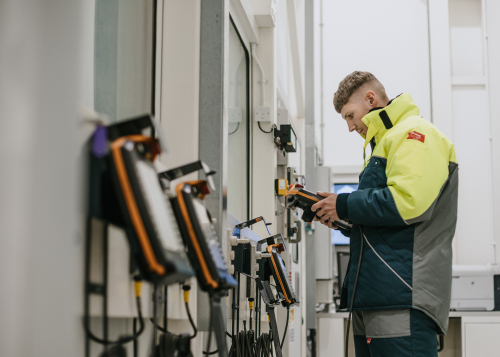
<point x="212" y="126"/>
<point x="310" y="159"/>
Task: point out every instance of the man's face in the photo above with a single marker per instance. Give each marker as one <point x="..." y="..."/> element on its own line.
<point x="355" y="109"/>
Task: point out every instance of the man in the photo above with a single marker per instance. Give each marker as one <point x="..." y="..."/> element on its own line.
<point x="404" y="215"/>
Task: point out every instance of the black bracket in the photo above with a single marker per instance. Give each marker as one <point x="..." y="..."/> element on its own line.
<point x="252" y="222"/>
<point x="184" y="170"/>
<point x="274" y="240"/>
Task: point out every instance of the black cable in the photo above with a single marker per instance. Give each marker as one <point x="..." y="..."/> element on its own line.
<point x="262" y="345"/>
<point x="267" y="132"/>
<point x="209" y="327"/>
<point x="136" y="343"/>
<point x="155" y="315"/>
<point x="271" y="338"/>
<point x="354" y="293"/>
<point x="238" y="303"/>
<point x="191" y="321"/>
<point x="259" y="316"/>
<point x="161" y="329"/>
<point x="286" y="326"/>
<point x="105" y="249"/>
<point x="121" y="340"/>
<point x="165" y="307"/>
<point x="233" y="311"/>
<point x="235" y="130"/>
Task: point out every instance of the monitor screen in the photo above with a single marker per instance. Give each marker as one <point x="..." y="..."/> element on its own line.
<point x="210" y="234"/>
<point x="159" y="209"/>
<point x="337" y="237"/>
<point x="342" y="264"/>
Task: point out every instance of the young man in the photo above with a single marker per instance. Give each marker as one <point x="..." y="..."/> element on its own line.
<point x="404" y="215"/>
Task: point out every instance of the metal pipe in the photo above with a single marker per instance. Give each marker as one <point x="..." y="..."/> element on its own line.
<point x="105" y="246"/>
<point x="235" y="81"/>
<point x="322" y="122"/>
<point x="487" y="87"/>
<point x="262" y="76"/>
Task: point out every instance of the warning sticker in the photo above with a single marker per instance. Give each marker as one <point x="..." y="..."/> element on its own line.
<point x="416" y="136"/>
<point x="282" y="185"/>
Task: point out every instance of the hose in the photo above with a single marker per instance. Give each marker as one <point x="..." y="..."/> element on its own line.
<point x="286" y="326"/>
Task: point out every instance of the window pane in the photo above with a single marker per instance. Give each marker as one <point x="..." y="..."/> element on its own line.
<point x="237" y="188"/>
<point x="337" y="237"/>
<point x="123" y="58"/>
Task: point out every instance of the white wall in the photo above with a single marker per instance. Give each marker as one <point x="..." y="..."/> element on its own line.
<point x="493" y="47"/>
<point x="471" y="133"/>
<point x="379" y="37"/>
<point x="181" y="65"/>
<point x="40" y="256"/>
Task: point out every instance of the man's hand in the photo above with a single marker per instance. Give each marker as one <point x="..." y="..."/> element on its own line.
<point x="326" y="209"/>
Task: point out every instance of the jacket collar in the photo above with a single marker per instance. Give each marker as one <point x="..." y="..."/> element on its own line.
<point x="380" y="120"/>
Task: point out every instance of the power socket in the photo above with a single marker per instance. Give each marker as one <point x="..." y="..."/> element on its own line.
<point x="235" y="115"/>
<point x="262" y="114"/>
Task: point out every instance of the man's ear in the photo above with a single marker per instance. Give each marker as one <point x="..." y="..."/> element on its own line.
<point x="371" y="98"/>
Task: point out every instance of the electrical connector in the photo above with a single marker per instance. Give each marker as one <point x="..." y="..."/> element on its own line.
<point x="235" y="115"/>
<point x="137" y="285"/>
<point x="262" y="113"/>
<point x="186" y="289"/>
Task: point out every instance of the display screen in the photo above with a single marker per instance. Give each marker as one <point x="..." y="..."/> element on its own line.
<point x="337" y="237"/>
<point x="283" y="269"/>
<point x="158" y="207"/>
<point x="210" y="235"/>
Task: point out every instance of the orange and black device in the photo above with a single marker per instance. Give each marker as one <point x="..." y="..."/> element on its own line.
<point x="299" y="197"/>
<point x="281" y="277"/>
<point x="203" y="247"/>
<point x="150" y="224"/>
<point x="280" y="274"/>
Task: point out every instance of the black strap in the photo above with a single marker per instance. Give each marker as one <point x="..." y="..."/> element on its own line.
<point x="373" y="144"/>
<point x="385" y="119"/>
<point x="274" y="329"/>
<point x="219" y="325"/>
<point x="376" y="108"/>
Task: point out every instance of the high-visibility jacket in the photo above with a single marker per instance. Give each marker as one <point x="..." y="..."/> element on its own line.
<point x="406" y="205"/>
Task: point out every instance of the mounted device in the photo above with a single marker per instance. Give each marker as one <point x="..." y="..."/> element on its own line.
<point x="248" y="260"/>
<point x="299" y="197"/>
<point x="203" y="247"/>
<point x="276" y="245"/>
<point x="150" y="223"/>
<point x="286" y="295"/>
<point x="271" y="302"/>
<point x="124" y="190"/>
<point x="285" y="138"/>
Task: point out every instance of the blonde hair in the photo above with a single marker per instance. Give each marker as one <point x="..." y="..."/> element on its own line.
<point x="351" y="83"/>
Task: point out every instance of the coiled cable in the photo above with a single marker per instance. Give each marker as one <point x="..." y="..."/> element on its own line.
<point x="353" y="294"/>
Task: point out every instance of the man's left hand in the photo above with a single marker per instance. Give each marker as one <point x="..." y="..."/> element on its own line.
<point x="327" y="209"/>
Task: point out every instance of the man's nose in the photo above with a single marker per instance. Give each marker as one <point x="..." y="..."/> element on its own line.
<point x="351" y="128"/>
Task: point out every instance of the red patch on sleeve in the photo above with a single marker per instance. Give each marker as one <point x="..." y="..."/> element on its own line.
<point x="416" y="136"/>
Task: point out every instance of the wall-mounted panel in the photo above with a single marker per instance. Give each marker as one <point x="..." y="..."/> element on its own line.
<point x="238" y="138"/>
<point x="466" y="38"/>
<point x="380" y="38"/>
<point x="472" y="142"/>
<point x="471" y="133"/>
